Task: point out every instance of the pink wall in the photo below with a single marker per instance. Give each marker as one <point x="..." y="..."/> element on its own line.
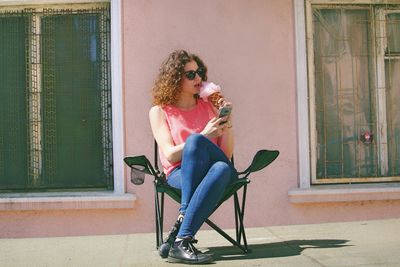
<point x="248" y="46"/>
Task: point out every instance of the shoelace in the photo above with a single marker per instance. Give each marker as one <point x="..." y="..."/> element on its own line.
<point x="188" y="246"/>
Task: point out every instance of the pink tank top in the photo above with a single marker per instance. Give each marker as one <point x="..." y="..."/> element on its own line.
<point x="182" y="123"/>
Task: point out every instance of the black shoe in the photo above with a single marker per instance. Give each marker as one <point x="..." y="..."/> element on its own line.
<point x="164" y="248"/>
<point x="185" y="252"/>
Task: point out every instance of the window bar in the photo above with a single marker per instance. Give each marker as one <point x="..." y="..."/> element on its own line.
<point x="340" y="94"/>
<point x="34" y="66"/>
<point x="49" y="100"/>
<point x="311" y="94"/>
<point x="373" y="123"/>
<point x="390" y="58"/>
<point x="388" y="64"/>
<point x="357" y="110"/>
<point x="357" y="120"/>
<point x="106" y="94"/>
<point x="381" y="131"/>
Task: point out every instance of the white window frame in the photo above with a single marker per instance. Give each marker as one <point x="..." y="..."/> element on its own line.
<point x="302" y="96"/>
<point x="118" y="198"/>
<point x="306" y="117"/>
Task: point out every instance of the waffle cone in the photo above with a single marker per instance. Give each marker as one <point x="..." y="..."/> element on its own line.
<point x="214" y="98"/>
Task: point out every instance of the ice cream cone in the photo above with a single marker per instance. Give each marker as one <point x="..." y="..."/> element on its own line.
<point x="214" y="99"/>
<point x="211" y="92"/>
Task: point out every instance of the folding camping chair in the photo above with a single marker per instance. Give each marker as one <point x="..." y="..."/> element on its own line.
<point x="141" y="164"/>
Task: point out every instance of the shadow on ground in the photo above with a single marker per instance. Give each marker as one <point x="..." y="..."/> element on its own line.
<point x="271" y="250"/>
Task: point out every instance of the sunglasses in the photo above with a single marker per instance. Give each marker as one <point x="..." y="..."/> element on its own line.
<point x="191" y="74"/>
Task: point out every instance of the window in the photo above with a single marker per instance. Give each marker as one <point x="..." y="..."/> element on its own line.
<point x="55" y="98"/>
<point x="354" y="91"/>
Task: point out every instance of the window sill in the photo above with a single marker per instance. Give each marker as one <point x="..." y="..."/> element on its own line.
<point x="345" y="193"/>
<point x="66" y="201"/>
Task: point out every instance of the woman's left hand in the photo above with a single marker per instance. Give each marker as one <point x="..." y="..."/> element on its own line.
<point x="223" y="103"/>
<point x="226" y="139"/>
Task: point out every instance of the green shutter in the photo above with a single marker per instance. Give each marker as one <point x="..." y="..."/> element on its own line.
<point x="13" y="105"/>
<point x="76" y="102"/>
<point x="55" y="99"/>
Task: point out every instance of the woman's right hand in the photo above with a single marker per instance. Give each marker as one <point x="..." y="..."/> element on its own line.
<point x="213" y="128"/>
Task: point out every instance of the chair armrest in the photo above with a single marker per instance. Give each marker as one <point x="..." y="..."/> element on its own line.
<point x="261" y="160"/>
<point x="140" y="163"/>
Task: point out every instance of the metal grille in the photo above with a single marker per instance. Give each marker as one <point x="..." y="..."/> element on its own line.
<point x="356" y="92"/>
<point x="68" y="98"/>
<point x="34" y="95"/>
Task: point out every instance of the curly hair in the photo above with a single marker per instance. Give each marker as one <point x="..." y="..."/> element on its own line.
<point x="167" y="87"/>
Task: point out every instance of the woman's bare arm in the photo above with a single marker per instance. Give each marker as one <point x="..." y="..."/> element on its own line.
<point x="161" y="133"/>
<point x="226" y="140"/>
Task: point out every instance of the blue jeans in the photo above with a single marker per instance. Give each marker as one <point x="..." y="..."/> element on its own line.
<point x="203" y="176"/>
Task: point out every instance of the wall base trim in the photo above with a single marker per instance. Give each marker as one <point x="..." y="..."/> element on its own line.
<point x="345" y="193"/>
<point x="66" y="201"/>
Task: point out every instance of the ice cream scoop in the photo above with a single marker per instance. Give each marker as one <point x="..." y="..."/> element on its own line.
<point x="211" y="92"/>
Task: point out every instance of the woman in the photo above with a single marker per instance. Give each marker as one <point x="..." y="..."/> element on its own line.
<point x="195" y="147"/>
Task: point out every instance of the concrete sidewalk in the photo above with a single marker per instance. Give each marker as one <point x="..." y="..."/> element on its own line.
<point x="367" y="243"/>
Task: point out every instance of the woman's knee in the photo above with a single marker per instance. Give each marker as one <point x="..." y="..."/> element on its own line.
<point x="223" y="169"/>
<point x="195" y="142"/>
<point x="196" y="139"/>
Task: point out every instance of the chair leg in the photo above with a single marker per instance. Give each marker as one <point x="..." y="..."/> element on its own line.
<point x="240" y="230"/>
<point x="236" y="207"/>
<point x="239" y="215"/>
<point x="159" y="213"/>
<point x="161" y="238"/>
<point x="157" y="216"/>
<point x="224" y="234"/>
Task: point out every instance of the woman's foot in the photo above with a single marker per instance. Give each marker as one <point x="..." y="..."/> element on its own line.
<point x="184" y="252"/>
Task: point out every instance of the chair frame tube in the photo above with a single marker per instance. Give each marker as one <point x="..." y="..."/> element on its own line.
<point x="239" y="225"/>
